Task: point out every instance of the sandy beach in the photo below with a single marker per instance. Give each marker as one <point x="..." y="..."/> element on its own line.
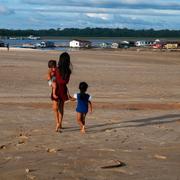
<point x="136" y="118"/>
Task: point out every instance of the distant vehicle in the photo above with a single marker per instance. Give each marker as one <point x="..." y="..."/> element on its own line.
<point x="28" y="45"/>
<point x="127" y="44"/>
<point x="2" y="44"/>
<point x="158" y="45"/>
<point x="12" y="38"/>
<point x="31" y="37"/>
<point x="105" y="45"/>
<point x="123" y="44"/>
<point x="131" y="43"/>
<point x="45" y="44"/>
<point x="115" y="45"/>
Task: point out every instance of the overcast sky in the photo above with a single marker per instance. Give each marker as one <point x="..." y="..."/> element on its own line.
<point x="133" y="14"/>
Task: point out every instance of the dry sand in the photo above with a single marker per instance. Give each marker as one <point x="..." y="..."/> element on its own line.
<point x="136" y="118"/>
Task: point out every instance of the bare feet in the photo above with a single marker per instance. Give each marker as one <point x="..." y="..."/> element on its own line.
<point x="83" y="130"/>
<point x="58" y="128"/>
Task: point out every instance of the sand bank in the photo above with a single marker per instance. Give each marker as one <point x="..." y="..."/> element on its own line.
<point x="136" y="117"/>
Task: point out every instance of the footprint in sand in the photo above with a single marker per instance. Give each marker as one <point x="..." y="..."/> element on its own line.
<point x="160" y="157"/>
<point x="5" y="146"/>
<point x="52" y="150"/>
<point x="113" y="164"/>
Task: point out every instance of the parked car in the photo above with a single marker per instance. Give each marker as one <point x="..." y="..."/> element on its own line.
<point x="45" y="44"/>
<point x="126" y="44"/>
<point x="2" y="44"/>
<point x="105" y="45"/>
<point x="115" y="45"/>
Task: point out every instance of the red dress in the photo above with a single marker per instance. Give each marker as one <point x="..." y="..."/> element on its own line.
<point x="62" y="90"/>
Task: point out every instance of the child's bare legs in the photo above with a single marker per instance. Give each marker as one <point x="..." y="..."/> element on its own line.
<point x="56" y="114"/>
<point x="81" y="121"/>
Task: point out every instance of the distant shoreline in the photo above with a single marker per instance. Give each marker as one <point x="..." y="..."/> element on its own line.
<point x="137" y="49"/>
<point x="92" y="32"/>
<point x="96" y="37"/>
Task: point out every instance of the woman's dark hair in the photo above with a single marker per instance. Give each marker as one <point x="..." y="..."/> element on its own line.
<point x="51" y="63"/>
<point x="64" y="65"/>
<point x="83" y="88"/>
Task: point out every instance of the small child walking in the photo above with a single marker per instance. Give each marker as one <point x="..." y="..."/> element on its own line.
<point x="83" y="105"/>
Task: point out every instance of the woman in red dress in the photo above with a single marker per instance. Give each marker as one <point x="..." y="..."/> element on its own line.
<point x="61" y="94"/>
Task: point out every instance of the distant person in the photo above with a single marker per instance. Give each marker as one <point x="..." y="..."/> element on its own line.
<point x="7" y="46"/>
<point x="60" y="92"/>
<point x="83" y="105"/>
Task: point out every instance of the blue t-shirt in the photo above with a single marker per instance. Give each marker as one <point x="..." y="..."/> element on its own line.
<point x="82" y="104"/>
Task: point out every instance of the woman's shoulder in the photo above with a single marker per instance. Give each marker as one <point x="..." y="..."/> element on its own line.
<point x="58" y="74"/>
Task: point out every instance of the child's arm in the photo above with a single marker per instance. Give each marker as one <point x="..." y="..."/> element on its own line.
<point x="73" y="98"/>
<point x="90" y="106"/>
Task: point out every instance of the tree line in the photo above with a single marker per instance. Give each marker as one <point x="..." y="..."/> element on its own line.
<point x="92" y="32"/>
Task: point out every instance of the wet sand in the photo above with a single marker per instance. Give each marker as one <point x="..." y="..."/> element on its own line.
<point x="136" y="118"/>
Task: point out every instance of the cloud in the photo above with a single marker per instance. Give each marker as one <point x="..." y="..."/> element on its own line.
<point x="101" y="11"/>
<point x="121" y="4"/>
<point x="98" y="15"/>
<point x="5" y="11"/>
<point x="137" y="14"/>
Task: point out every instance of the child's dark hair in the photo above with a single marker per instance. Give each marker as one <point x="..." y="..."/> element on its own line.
<point x="83" y="88"/>
<point x="64" y="65"/>
<point x="51" y="64"/>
